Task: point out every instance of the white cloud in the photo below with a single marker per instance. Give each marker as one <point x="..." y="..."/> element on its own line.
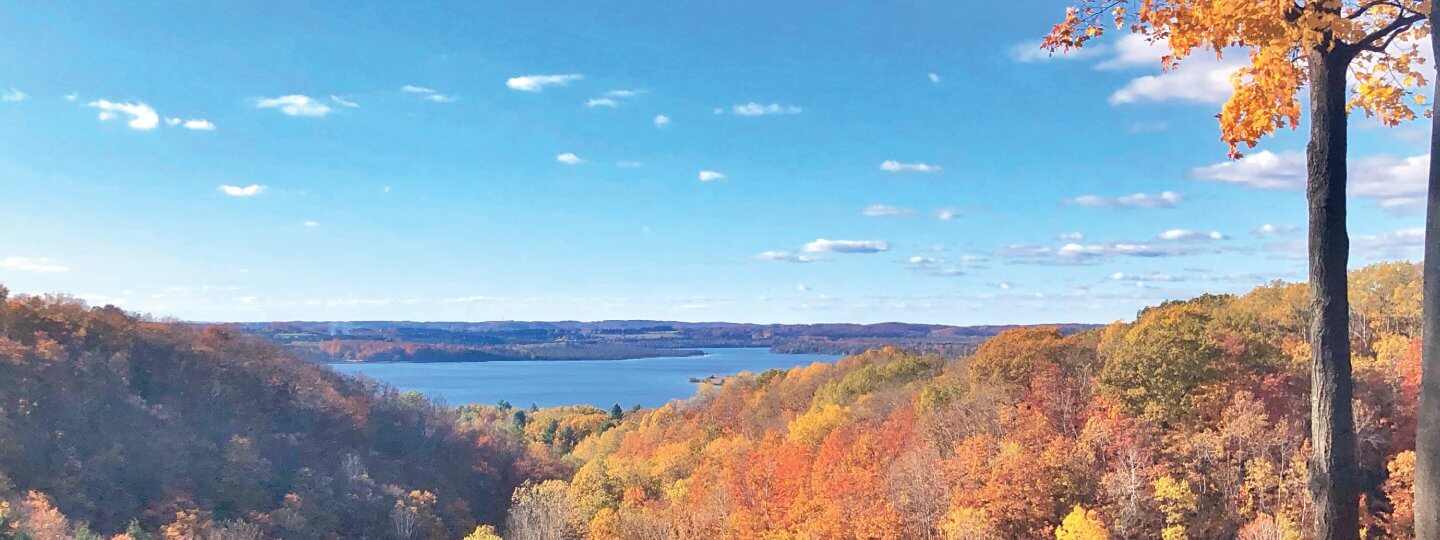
<point x="1188" y="235"/>
<point x="946" y="214"/>
<point x="932" y="266"/>
<point x="1269" y="229"/>
<point x="822" y="245"/>
<point x="934" y="78"/>
<point x="1260" y="170"/>
<point x="198" y="125"/>
<point x="602" y="102"/>
<point x="72" y="96"/>
<point x="885" y="210"/>
<point x="249" y="299"/>
<point x="1076" y="253"/>
<point x="427" y="93"/>
<point x="569" y="158"/>
<point x="39" y="265"/>
<point x="1070" y="236"/>
<point x="536" y="83"/>
<point x="1199" y="78"/>
<point x="629" y="164"/>
<point x="142" y="116"/>
<point x="295" y="105"/>
<point x="893" y="166"/>
<point x="173" y="121"/>
<point x="312" y="223"/>
<point x="1395" y="183"/>
<point x="1403" y="244"/>
<point x="624" y="93"/>
<point x="710" y="176"/>
<point x="661" y="120"/>
<point x="247" y="191"/>
<point x="785" y="256"/>
<point x="14" y="95"/>
<point x="756" y="109"/>
<point x="801" y="287"/>
<point x="1132" y="51"/>
<point x="1166" y="199"/>
<point x="343" y="102"/>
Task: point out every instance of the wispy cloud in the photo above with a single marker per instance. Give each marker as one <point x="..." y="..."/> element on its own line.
<point x="1260" y="170"/>
<point x="38" y="265"/>
<point x="822" y="245"/>
<point x="198" y="125"/>
<point x="946" y="214"/>
<point x="569" y="158"/>
<point x="710" y="176"/>
<point x="1269" y="229"/>
<point x="295" y="105"/>
<point x="661" y="120"/>
<point x="1406" y="244"/>
<point x="932" y="266"/>
<point x="1070" y="236"/>
<point x="427" y="93"/>
<point x="1199" y="78"/>
<point x="1077" y="253"/>
<point x="14" y="95"/>
<point x="246" y="191"/>
<point x="785" y="256"/>
<point x="1185" y="235"/>
<point x="893" y="166"/>
<point x="934" y="78"/>
<point x="755" y="109"/>
<point x="311" y="223"/>
<point x="142" y="116"/>
<point x="885" y="210"/>
<point x="1142" y="278"/>
<point x="1166" y="199"/>
<point x="1396" y="184"/>
<point x="344" y="102"/>
<point x="536" y="83"/>
<point x="601" y="102"/>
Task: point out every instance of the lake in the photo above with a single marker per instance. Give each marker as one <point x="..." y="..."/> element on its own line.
<point x="649" y="382"/>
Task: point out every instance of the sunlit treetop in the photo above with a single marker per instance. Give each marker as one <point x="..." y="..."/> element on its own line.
<point x="1381" y="40"/>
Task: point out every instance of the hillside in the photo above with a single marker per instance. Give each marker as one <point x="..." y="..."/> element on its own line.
<point x="1190" y="422"/>
<point x="111" y="423"/>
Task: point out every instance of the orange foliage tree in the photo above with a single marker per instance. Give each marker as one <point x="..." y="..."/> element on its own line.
<point x="1295" y="44"/>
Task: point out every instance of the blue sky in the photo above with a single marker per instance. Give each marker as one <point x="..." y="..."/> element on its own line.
<point x="483" y="161"/>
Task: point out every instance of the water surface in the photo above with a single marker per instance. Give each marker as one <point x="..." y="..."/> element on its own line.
<point x="649" y="382"/>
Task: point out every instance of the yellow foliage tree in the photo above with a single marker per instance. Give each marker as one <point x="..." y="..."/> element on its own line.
<point x="1082" y="524"/>
<point x="1317" y="45"/>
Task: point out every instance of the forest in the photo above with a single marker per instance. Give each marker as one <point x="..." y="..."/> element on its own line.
<point x="1189" y="422"/>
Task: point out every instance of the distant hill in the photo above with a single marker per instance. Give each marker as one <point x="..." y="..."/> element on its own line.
<point x="406" y="341"/>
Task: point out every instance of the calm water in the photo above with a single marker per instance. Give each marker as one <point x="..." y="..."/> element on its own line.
<point x="649" y="382"/>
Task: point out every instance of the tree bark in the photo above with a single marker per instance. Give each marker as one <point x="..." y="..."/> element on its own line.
<point x="1427" y="436"/>
<point x="1333" y="467"/>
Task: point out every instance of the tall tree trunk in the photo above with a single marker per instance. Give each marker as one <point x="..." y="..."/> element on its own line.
<point x="1332" y="423"/>
<point x="1427" y="436"/>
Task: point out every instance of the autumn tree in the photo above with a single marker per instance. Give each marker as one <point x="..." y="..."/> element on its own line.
<point x="1295" y="44"/>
